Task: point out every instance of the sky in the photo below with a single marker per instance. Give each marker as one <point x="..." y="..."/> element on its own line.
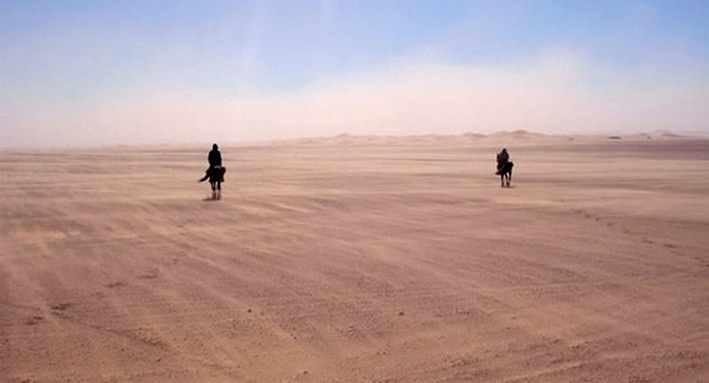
<point x="96" y="73"/>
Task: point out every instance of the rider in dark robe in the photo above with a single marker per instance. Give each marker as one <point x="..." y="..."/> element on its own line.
<point x="215" y="159"/>
<point x="502" y="159"/>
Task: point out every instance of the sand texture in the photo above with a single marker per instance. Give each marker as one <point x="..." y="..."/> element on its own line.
<point x="359" y="259"/>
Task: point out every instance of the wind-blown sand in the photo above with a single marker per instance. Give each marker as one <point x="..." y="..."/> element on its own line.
<point x="359" y="259"/>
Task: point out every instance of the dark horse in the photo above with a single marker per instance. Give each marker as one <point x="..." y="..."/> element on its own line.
<point x="505" y="173"/>
<point x="216" y="177"/>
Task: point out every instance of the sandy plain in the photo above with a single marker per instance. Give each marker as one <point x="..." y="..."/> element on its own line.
<point x="359" y="259"/>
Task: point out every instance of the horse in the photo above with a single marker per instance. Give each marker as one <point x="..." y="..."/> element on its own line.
<point x="505" y="173"/>
<point x="216" y="177"/>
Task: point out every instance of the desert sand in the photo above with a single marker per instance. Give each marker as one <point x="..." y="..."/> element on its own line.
<point x="359" y="259"/>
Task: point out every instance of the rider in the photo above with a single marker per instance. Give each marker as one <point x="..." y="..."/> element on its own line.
<point x="215" y="159"/>
<point x="502" y="159"/>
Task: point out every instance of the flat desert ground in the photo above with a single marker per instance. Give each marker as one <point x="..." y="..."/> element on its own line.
<point x="359" y="259"/>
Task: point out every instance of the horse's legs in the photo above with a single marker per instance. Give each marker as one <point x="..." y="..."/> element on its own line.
<point x="505" y="178"/>
<point x="219" y="190"/>
<point x="214" y="190"/>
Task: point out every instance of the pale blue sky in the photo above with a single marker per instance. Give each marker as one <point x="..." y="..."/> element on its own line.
<point x="89" y="73"/>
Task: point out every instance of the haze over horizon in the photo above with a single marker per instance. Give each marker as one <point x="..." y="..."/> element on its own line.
<point x="84" y="73"/>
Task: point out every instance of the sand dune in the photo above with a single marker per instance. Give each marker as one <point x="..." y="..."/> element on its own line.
<point x="359" y="259"/>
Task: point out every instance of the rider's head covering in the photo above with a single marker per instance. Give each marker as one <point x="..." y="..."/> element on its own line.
<point x="215" y="147"/>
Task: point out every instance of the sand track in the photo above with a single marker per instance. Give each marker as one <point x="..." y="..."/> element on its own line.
<point x="358" y="260"/>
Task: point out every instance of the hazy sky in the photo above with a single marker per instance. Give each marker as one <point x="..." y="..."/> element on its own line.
<point x="89" y="73"/>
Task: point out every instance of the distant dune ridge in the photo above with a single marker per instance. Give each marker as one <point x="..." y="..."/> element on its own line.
<point x="359" y="259"/>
